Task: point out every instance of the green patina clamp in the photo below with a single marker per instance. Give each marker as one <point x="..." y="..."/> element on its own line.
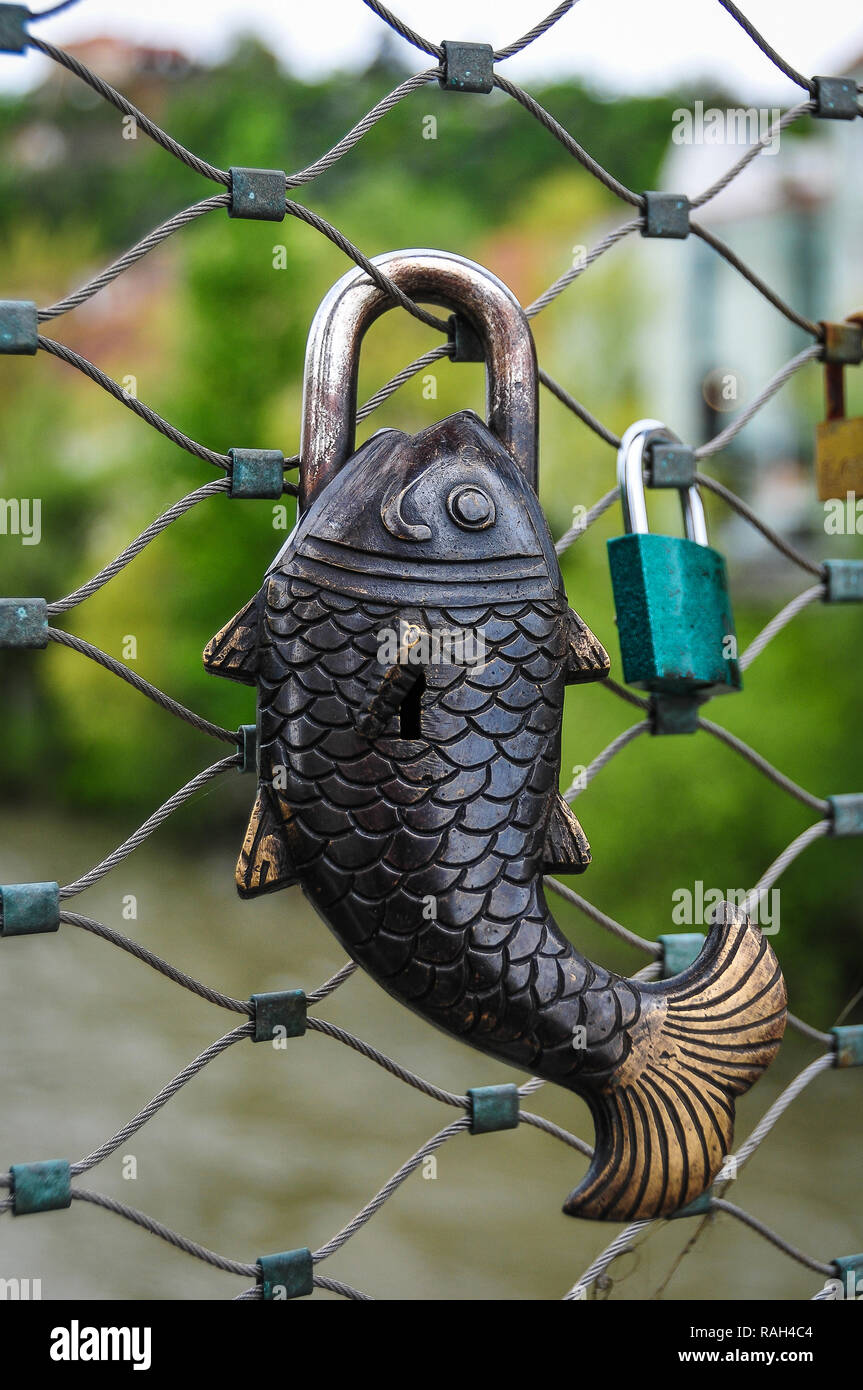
<point x="493" y="1108"/>
<point x="285" y="1009"/>
<point x="23" y="622"/>
<point x="257" y="473"/>
<point x="844" y="581"/>
<point x="19" y="323"/>
<point x="287" y="1275"/>
<point x="848" y="1045"/>
<point x="666" y="215"/>
<point x="45" y="1186"/>
<point x="467" y="67"/>
<point x="13" y="28"/>
<point x="28" y="908"/>
<point x="673" y="714"/>
<point x="247" y="736"/>
<point x="835" y="98"/>
<point x="846" y="814"/>
<point x="258" y="194"/>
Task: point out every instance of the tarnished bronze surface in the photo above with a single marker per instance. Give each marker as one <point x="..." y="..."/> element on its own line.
<point x="414" y="796"/>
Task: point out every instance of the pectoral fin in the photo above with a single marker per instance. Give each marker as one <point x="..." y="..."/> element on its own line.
<point x="586" y="658"/>
<point x="265" y="862"/>
<point x="233" y="652"/>
<point x="566" y="848"/>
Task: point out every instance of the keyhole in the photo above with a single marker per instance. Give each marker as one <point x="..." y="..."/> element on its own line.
<point x="409" y="709"/>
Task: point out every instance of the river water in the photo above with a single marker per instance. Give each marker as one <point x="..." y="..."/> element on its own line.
<point x="270" y="1149"/>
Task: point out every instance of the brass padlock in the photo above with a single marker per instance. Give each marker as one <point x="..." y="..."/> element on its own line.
<point x="839" y="441"/>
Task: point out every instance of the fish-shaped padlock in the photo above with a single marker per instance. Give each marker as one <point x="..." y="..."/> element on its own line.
<point x="839" y="441"/>
<point x="410" y="786"/>
<point x="671" y="596"/>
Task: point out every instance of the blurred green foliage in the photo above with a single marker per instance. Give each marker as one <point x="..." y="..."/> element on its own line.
<point x="214" y="333"/>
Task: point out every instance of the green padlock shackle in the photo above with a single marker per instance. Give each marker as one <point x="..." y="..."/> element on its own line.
<point x="630" y="476"/>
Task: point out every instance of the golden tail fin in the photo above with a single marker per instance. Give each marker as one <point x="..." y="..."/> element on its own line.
<point x="665" y="1123"/>
<point x="265" y="862"/>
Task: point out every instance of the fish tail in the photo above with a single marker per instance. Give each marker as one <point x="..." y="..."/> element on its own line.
<point x="665" y="1120"/>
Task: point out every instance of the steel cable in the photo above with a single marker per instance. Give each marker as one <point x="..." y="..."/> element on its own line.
<point x="165" y="702"/>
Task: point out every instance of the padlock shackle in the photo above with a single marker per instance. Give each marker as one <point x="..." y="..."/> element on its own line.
<point x="352" y="305"/>
<point x="834" y="390"/>
<point x="630" y="476"/>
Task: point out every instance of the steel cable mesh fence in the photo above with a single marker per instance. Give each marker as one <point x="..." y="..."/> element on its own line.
<point x="16" y="36"/>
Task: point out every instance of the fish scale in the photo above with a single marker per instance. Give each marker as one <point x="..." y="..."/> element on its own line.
<point x="506" y="917"/>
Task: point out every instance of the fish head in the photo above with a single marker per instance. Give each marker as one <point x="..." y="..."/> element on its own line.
<point x="442" y="516"/>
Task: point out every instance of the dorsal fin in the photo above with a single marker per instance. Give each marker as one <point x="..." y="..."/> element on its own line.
<point x="265" y="862"/>
<point x="233" y="652"/>
<point x="566" y="849"/>
<point x="586" y="658"/>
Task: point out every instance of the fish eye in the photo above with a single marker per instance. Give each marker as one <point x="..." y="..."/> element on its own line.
<point x="470" y="507"/>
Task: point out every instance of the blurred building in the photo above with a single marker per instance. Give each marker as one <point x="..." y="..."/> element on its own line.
<point x="143" y="73"/>
<point x="795" y="215"/>
<point x="709" y="342"/>
<point x="115" y="322"/>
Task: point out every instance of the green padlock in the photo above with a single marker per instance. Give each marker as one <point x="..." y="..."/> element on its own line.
<point x="674" y="615"/>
